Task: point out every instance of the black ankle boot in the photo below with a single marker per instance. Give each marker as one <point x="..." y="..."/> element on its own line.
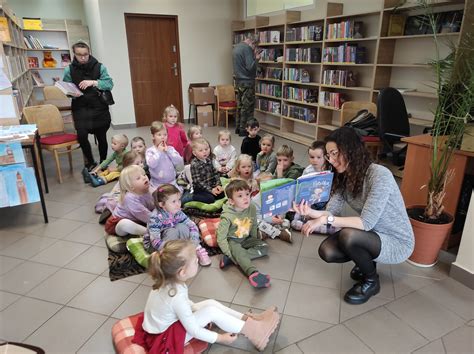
<point x="356" y="274"/>
<point x="361" y="292"/>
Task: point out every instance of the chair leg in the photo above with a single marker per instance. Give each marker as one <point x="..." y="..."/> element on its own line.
<point x="69" y="155"/>
<point x="58" y="166"/>
<point x="227" y="119"/>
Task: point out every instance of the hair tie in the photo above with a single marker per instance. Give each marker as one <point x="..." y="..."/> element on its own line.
<point x="161" y="190"/>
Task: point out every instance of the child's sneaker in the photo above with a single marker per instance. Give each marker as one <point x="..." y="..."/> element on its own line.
<point x="285" y="235"/>
<point x="85" y="175"/>
<point x="268" y="229"/>
<point x="225" y="262"/>
<point x="97" y="181"/>
<point x="259" y="280"/>
<point x="203" y="257"/>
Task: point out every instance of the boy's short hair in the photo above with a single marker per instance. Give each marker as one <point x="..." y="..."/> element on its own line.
<point x="156" y="127"/>
<point x="236" y="185"/>
<point x="224" y="132"/>
<point x="137" y="139"/>
<point x="252" y="123"/>
<point x="285" y="150"/>
<point x="317" y="145"/>
<point x="121" y="138"/>
<point x="200" y="141"/>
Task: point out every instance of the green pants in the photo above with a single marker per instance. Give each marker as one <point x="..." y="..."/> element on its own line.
<point x="245" y="104"/>
<point x="244" y="251"/>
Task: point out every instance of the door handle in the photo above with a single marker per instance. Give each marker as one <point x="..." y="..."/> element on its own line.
<point x="175" y="68"/>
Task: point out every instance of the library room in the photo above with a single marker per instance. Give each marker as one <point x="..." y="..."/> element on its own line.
<point x="237" y="176"/>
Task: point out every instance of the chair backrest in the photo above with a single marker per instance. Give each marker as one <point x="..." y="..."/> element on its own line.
<point x="225" y="93"/>
<point x="392" y="113"/>
<point x="53" y="93"/>
<point x="349" y="109"/>
<point x="47" y="118"/>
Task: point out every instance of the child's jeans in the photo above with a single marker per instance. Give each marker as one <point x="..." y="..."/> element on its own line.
<point x="179" y="232"/>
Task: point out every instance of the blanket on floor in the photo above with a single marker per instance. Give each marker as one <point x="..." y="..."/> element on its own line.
<point x="122" y="265"/>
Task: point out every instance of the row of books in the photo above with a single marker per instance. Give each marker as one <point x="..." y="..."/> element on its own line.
<point x="34" y="43"/>
<point x="300" y="94"/>
<point x="269" y="73"/>
<point x="15" y="65"/>
<point x="267" y="105"/>
<point x="307" y="55"/>
<point x="269" y="37"/>
<point x="294" y="74"/>
<point x="271" y="54"/>
<point x="268" y="89"/>
<point x="335" y="77"/>
<point x="239" y="37"/>
<point x="303" y="113"/>
<point x="331" y="99"/>
<point x="306" y="33"/>
<point x="345" y="53"/>
<point x="445" y="22"/>
<point x="346" y="29"/>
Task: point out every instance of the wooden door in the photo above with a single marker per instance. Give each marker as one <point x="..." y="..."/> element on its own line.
<point x="153" y="51"/>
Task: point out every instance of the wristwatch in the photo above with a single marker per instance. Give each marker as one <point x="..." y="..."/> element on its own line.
<point x="329" y="222"/>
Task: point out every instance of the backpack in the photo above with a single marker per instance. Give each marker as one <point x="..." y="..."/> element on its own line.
<point x="365" y="123"/>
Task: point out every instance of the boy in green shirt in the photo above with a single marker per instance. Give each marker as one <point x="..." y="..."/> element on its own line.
<point x="237" y="233"/>
<point x="286" y="168"/>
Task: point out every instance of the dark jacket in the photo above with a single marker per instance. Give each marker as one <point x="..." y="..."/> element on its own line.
<point x="245" y="65"/>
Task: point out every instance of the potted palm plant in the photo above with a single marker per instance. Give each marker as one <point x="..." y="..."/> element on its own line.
<point x="454" y="80"/>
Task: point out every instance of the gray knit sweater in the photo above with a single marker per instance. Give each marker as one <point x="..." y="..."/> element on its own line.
<point x="382" y="211"/>
<point x="245" y="65"/>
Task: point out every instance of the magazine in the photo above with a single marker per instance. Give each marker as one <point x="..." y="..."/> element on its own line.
<point x="18" y="186"/>
<point x="277" y="196"/>
<point x="68" y="88"/>
<point x="11" y="153"/>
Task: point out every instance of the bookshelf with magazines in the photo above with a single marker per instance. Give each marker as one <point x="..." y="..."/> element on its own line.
<point x="359" y="54"/>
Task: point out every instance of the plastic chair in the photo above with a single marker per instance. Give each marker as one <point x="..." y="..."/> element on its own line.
<point x="51" y="130"/>
<point x="349" y="110"/>
<point x="225" y="102"/>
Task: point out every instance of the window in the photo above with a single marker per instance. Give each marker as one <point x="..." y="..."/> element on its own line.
<point x="258" y="7"/>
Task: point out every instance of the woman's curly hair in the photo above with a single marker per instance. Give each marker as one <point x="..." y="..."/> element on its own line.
<point x="357" y="157"/>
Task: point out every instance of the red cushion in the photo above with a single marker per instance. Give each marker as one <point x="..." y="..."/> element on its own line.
<point x="229" y="104"/>
<point x="370" y="139"/>
<point x="58" y="139"/>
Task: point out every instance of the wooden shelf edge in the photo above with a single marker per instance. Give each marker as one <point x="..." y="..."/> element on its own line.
<point x="314" y="84"/>
<point x="270" y="113"/>
<point x="299" y="121"/>
<point x="268" y="96"/>
<point x="301" y="102"/>
<point x="353" y="88"/>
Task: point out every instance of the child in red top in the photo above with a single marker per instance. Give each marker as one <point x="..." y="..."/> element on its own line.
<point x="176" y="135"/>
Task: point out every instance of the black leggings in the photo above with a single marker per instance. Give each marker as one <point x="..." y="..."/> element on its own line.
<point x="361" y="247"/>
<point x="83" y="138"/>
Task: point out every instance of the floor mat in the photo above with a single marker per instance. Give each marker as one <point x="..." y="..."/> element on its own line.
<point x="122" y="265"/>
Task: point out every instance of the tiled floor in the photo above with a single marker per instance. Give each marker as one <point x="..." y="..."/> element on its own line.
<point x="55" y="292"/>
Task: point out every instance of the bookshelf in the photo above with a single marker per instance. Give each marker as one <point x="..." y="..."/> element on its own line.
<point x="396" y="60"/>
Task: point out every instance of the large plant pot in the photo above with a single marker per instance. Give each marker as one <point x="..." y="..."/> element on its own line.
<point x="428" y="240"/>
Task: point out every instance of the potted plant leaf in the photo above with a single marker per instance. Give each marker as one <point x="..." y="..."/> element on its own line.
<point x="454" y="81"/>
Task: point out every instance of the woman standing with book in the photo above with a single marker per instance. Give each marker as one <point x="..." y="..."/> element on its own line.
<point x="90" y="113"/>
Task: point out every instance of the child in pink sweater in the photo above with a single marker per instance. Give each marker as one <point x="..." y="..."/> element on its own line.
<point x="176" y="135"/>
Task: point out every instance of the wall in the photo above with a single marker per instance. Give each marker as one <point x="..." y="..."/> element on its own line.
<point x="204" y="36"/>
<point x="54" y="9"/>
<point x="92" y="15"/>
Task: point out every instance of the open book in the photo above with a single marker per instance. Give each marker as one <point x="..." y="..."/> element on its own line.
<point x="277" y="195"/>
<point x="68" y="88"/>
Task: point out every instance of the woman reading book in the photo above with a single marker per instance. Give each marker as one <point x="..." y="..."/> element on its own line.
<point x="91" y="115"/>
<point x="382" y="231"/>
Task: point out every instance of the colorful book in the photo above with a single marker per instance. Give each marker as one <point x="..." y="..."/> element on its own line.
<point x="68" y="88"/>
<point x="18" y="186"/>
<point x="33" y="62"/>
<point x="277" y="195"/>
<point x="37" y="78"/>
<point x="11" y="153"/>
<point x="65" y="59"/>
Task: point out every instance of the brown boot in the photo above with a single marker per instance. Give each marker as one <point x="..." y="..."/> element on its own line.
<point x="285" y="235"/>
<point x="259" y="332"/>
<point x="265" y="315"/>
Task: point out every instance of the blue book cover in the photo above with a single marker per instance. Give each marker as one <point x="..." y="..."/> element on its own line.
<point x="18" y="186"/>
<point x="11" y="153"/>
<point x="314" y="187"/>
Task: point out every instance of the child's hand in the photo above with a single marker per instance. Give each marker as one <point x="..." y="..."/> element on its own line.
<point x="226" y="338"/>
<point x="215" y="191"/>
<point x="112" y="169"/>
<point x="277" y="219"/>
<point x="162" y="146"/>
<point x="223" y="169"/>
<point x="279" y="171"/>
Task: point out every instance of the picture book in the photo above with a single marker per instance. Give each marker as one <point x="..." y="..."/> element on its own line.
<point x="37" y="78"/>
<point x="68" y="88"/>
<point x="17" y="132"/>
<point x="11" y="153"/>
<point x="17" y="186"/>
<point x="277" y="196"/>
<point x="65" y="59"/>
<point x="33" y="62"/>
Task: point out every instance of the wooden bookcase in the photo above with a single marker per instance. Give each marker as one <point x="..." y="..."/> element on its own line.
<point x="396" y="61"/>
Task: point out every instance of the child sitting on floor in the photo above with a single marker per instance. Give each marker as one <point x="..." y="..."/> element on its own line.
<point x="135" y="206"/>
<point x="138" y="145"/>
<point x="237" y="233"/>
<point x="176" y="135"/>
<point x="194" y="132"/>
<point x="225" y="153"/>
<point x="206" y="184"/>
<point x="266" y="158"/>
<point x="286" y="168"/>
<point x="168" y="222"/>
<point x="251" y="143"/>
<point x="171" y="318"/>
<point x="104" y="173"/>
<point x="243" y="169"/>
<point x="162" y="160"/>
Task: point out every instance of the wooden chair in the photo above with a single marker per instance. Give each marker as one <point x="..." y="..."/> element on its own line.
<point x="225" y="102"/>
<point x="53" y="93"/>
<point x="349" y="110"/>
<point x="53" y="138"/>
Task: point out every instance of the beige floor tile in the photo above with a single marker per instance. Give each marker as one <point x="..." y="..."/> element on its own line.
<point x="310" y="246"/>
<point x="25" y="277"/>
<point x="314" y="271"/>
<point x="349" y="311"/>
<point x="281" y="247"/>
<point x="21" y="221"/>
<point x="292" y="349"/>
<point x="380" y="329"/>
<point x="404" y="284"/>
<point x="460" y="340"/>
<point x="148" y="280"/>
<point x="278" y="266"/>
<point x="23" y="317"/>
<point x="452" y="295"/>
<point x="66" y="331"/>
<point x="9" y="237"/>
<point x="313" y="302"/>
<point x="8" y="263"/>
<point x="6" y="299"/>
<point x="138" y="279"/>
<point x="294" y="329"/>
<point x="438" y="272"/>
<point x="337" y="339"/>
<point x="426" y="316"/>
<point x="93" y="260"/>
<point x="57" y="229"/>
<point x="101" y="243"/>
<point x="28" y="246"/>
<point x="103" y="296"/>
<point x="87" y="233"/>
<point x="435" y="347"/>
<point x="62" y="286"/>
<point x="84" y="213"/>
<point x="101" y="341"/>
<point x="54" y="208"/>
<point x="276" y="295"/>
<point x="60" y="253"/>
<point x="223" y="286"/>
<point x="222" y="349"/>
<point x="135" y="303"/>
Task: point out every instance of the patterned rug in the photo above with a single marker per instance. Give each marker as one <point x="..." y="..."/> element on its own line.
<point x="122" y="265"/>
